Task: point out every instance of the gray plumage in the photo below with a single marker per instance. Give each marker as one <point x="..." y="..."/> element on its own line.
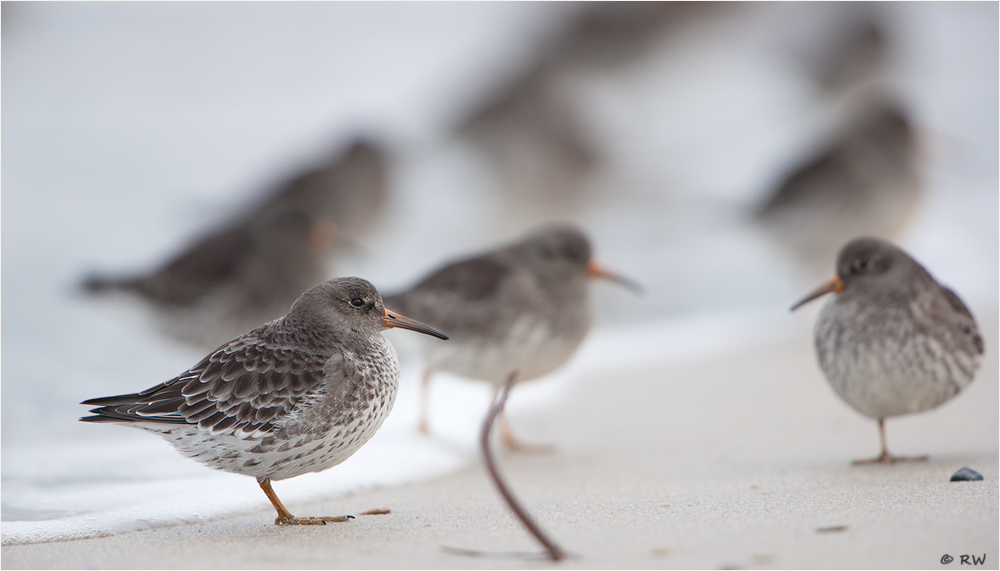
<point x="866" y="181"/>
<point x="523" y="307"/>
<point x="861" y="54"/>
<point x="893" y="341"/>
<point x="299" y="394"/>
<point x="534" y="130"/>
<point x="249" y="271"/>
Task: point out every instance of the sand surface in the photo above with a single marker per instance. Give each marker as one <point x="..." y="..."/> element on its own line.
<point x="133" y="127"/>
<point x="735" y="461"/>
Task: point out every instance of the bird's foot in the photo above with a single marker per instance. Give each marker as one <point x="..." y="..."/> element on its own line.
<point x="291" y="520"/>
<point x="515" y="445"/>
<point x="886" y="458"/>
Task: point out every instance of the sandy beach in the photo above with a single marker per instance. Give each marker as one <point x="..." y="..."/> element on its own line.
<point x="692" y="429"/>
<point x="733" y="461"/>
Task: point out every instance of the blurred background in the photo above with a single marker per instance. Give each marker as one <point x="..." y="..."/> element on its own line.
<point x="174" y="173"/>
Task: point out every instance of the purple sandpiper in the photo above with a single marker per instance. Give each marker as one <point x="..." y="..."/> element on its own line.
<point x="867" y="181"/>
<point x="892" y="341"/>
<point x="299" y="394"/>
<point x="523" y="307"/>
<point x="250" y="270"/>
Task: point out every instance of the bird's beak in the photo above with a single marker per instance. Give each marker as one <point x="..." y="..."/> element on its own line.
<point x="834" y="284"/>
<point x="392" y="319"/>
<point x="595" y="270"/>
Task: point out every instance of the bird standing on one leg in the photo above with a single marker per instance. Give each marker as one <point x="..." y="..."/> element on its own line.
<point x="892" y="341"/>
<point x="299" y="394"/>
<point x="523" y="307"/>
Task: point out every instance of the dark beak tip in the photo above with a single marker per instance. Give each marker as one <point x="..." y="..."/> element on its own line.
<point x="833" y="285"/>
<point x="395" y="320"/>
<point x="626" y="283"/>
<point x="804" y="301"/>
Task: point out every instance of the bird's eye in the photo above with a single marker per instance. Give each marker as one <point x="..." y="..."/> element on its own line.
<point x="572" y="254"/>
<point x="860" y="264"/>
<point x="357" y="302"/>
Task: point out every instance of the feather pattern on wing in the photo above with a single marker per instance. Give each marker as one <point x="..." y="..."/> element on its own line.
<point x="246" y="386"/>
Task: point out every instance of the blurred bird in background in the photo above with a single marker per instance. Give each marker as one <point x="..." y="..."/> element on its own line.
<point x="523" y="307"/>
<point x="860" y="55"/>
<point x="866" y="181"/>
<point x="534" y="130"/>
<point x="251" y="270"/>
<point x="652" y="125"/>
<point x="864" y="176"/>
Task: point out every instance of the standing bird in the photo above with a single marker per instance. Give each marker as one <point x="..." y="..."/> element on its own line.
<point x="299" y="394"/>
<point x="534" y="128"/>
<point x="249" y="271"/>
<point x="860" y="55"/>
<point x="892" y="341"/>
<point x="865" y="182"/>
<point x="523" y="307"/>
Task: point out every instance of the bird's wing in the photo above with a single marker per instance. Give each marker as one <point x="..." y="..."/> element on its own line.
<point x="460" y="297"/>
<point x="245" y="386"/>
<point x="474" y="278"/>
<point x="829" y="170"/>
<point x="963" y="318"/>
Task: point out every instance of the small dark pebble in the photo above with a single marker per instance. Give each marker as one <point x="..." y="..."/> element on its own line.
<point x="966" y="474"/>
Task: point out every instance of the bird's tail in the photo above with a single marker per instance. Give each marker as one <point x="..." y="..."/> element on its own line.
<point x="124" y="408"/>
<point x="97" y="284"/>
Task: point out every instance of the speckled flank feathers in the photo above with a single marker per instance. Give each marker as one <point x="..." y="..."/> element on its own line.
<point x="300" y="394"/>
<point x="892" y="341"/>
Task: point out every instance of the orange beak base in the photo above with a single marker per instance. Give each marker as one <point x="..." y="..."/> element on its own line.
<point x="595" y="270"/>
<point x="834" y="284"/>
<point x="392" y="319"/>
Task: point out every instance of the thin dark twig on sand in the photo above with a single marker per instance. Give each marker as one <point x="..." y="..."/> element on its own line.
<point x="554" y="551"/>
<point x="529" y="556"/>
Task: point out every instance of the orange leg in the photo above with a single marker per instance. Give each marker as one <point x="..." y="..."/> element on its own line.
<point x="423" y="426"/>
<point x="512" y="443"/>
<point x="286" y="518"/>
<point x="885" y="457"/>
